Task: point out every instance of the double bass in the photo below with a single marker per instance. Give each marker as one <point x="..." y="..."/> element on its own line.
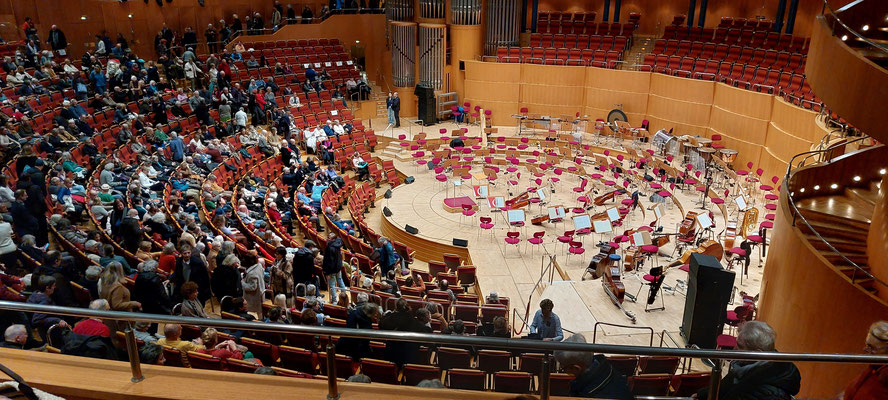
<point x="600" y="262"/>
<point x="600" y="200"/>
<point x="615" y="289"/>
<point x="709" y="247"/>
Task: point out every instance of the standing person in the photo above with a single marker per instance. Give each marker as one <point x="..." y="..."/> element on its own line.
<point x="307" y="14"/>
<point x="593" y="375"/>
<point x="149" y="291"/>
<point x="396" y="107"/>
<point x="388" y="106"/>
<point x="113" y="290"/>
<point x="31" y="31"/>
<point x="757" y="379"/>
<point x="872" y="383"/>
<point x="226" y="279"/>
<point x="254" y="283"/>
<point x="333" y="264"/>
<point x="212" y="39"/>
<point x="388" y="258"/>
<point x="546" y="325"/>
<point x="291" y="15"/>
<point x="282" y="275"/>
<point x="57" y="41"/>
<point x="190" y="267"/>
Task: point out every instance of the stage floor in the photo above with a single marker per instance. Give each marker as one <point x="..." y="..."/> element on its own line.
<point x="516" y="273"/>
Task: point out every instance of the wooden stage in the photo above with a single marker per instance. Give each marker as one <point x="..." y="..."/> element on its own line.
<point x="521" y="273"/>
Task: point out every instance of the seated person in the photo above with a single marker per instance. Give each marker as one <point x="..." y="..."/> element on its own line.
<point x="171" y="335"/>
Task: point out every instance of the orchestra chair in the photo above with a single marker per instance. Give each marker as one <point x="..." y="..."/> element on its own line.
<point x="725" y="342"/>
<point x="740" y="256"/>
<point x="536" y="240"/>
<point x="650" y="385"/>
<point x="576" y="248"/>
<point x="653" y="281"/>
<point x="566" y="238"/>
<point x="651" y="251"/>
<point x="467" y="212"/>
<point x="512" y="238"/>
<point x="486" y="224"/>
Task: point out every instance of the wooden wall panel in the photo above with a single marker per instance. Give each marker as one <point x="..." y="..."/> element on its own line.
<point x="783" y="144"/>
<point x="742" y="101"/>
<point x="689" y="90"/>
<point x="773" y="165"/>
<point x="799" y="121"/>
<point x="739" y="125"/>
<point x="465" y="44"/>
<point x="684" y="112"/>
<point x="747" y="151"/>
<point x="657" y="123"/>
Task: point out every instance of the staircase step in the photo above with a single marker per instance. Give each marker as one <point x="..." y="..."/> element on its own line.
<point x="829" y="231"/>
<point x="849" y="271"/>
<point x="857" y="258"/>
<point x="862" y="194"/>
<point x="869" y="284"/>
<point x="838" y="243"/>
<point x="837" y="209"/>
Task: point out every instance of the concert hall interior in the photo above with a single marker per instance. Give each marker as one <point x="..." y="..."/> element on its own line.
<point x="484" y="198"/>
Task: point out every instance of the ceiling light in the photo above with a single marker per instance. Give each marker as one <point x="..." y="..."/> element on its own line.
<point x="882" y="171"/>
<point x="816" y="187"/>
<point x="802" y="190"/>
<point x="865" y="28"/>
<point x="833" y="186"/>
<point x="857" y="178"/>
<point x="844" y="37"/>
<point x="83" y="17"/>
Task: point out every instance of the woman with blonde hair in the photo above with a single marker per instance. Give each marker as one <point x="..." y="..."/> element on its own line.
<point x="872" y="383"/>
<point x="112" y="289"/>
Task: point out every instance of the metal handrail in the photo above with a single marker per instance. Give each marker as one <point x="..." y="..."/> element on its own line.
<point x="797" y="213"/>
<point x="853" y="32"/>
<point x="427" y="338"/>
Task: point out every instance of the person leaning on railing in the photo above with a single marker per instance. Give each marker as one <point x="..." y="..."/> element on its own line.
<point x="757" y="379"/>
<point x="872" y="383"/>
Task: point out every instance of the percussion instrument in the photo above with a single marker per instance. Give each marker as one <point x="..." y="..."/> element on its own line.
<point x="688" y="148"/>
<point x="703" y="142"/>
<point x="615" y="289"/>
<point x="728" y="155"/>
<point x="706" y="153"/>
<point x="664" y="142"/>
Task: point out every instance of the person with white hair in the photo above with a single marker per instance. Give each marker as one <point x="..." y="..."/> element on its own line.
<point x="94" y="326"/>
<point x="594" y="376"/>
<point x="15" y="337"/>
<point x="757" y="379"/>
<point x="240" y="120"/>
<point x="150" y="292"/>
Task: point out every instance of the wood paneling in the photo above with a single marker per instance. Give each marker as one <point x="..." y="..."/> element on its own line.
<point x="426" y="249"/>
<point x="877" y="246"/>
<point x="89" y="378"/>
<point x="465" y="44"/>
<point x="853" y="90"/>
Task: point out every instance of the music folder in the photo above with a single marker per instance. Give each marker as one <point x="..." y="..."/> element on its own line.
<point x="658" y="211"/>
<point x="515" y="216"/>
<point x="582" y="221"/>
<point x="556" y="212"/>
<point x="496" y="203"/>
<point x="480" y="191"/>
<point x="704" y="220"/>
<point x="741" y="203"/>
<point x="541" y="193"/>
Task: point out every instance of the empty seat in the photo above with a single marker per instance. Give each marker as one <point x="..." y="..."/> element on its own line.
<point x="657" y="365"/>
<point x="380" y="370"/>
<point x="512" y="382"/>
<point x="467" y="379"/>
<point x="449" y="358"/>
<point x="413" y="373"/>
<point x="649" y="385"/>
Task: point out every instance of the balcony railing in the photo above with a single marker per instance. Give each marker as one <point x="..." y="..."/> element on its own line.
<point x="714" y="356"/>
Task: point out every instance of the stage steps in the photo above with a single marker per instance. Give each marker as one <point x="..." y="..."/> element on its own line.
<point x="843" y="220"/>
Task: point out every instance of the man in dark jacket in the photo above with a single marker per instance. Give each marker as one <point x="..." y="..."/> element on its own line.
<point x="396" y="107"/>
<point x="303" y="264"/>
<point x="131" y="231"/>
<point x="333" y="264"/>
<point x="25" y="223"/>
<point x="190" y="267"/>
<point x="360" y="318"/>
<point x="754" y="380"/>
<point x="149" y="290"/>
<point x="57" y="40"/>
<point x="401" y="320"/>
<point x="226" y="280"/>
<point x="595" y="377"/>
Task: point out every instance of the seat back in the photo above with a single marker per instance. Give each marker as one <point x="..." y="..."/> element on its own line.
<point x="531" y="362"/>
<point x="235" y="365"/>
<point x="204" y="361"/>
<point x="380" y="370"/>
<point x="512" y="382"/>
<point x="559" y="384"/>
<point x="657" y="365"/>
<point x="491" y="361"/>
<point x="649" y="385"/>
<point x="625" y="364"/>
<point x="413" y="373"/>
<point x="467" y="379"/>
<point x="686" y="385"/>
<point x="297" y="359"/>
<point x="450" y="358"/>
<point x="173" y="357"/>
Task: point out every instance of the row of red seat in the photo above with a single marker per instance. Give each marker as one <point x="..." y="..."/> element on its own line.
<point x="779" y="64"/>
<point x="587" y="27"/>
<point x="580" y="16"/>
<point x="551" y="56"/>
<point x="592" y="42"/>
<point x="762" y="39"/>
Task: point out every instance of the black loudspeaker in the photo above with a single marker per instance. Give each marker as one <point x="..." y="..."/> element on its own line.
<point x="386" y="212"/>
<point x="388" y="194"/>
<point x="411" y="230"/>
<point x="409" y="180"/>
<point x="460" y="242"/>
<point x="425" y="104"/>
<point x="462" y="65"/>
<point x="709" y="290"/>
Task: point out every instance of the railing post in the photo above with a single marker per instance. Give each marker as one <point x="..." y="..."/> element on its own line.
<point x="132" y="351"/>
<point x="332" y="389"/>
<point x="715" y="379"/>
<point x="544" y="378"/>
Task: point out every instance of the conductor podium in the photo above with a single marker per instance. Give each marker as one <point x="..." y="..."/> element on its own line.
<point x="709" y="290"/>
<point x="426" y="105"/>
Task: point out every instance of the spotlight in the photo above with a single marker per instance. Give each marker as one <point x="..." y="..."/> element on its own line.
<point x="802" y="190"/>
<point x="865" y="28"/>
<point x="816" y="187"/>
<point x="882" y="171"/>
<point x="129" y="16"/>
<point x="83" y="17"/>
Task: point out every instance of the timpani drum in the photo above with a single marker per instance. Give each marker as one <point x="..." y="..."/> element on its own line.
<point x="728" y="155"/>
<point x="688" y="148"/>
<point x="706" y="153"/>
<point x="704" y="142"/>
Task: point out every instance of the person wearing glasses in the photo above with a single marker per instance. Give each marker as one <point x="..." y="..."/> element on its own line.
<point x="546" y="324"/>
<point x="872" y="383"/>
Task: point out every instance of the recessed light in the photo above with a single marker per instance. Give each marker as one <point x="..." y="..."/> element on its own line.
<point x="857" y="178"/>
<point x="83" y="17"/>
<point x="844" y="37"/>
<point x="833" y="186"/>
<point x="129" y="16"/>
<point x="865" y="28"/>
<point x="357" y="41"/>
<point x="802" y="190"/>
<point x="882" y="171"/>
<point x="816" y="187"/>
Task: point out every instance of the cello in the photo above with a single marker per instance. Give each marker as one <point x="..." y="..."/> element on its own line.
<point x="615" y="289"/>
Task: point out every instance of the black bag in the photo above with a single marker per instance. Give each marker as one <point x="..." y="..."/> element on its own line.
<point x="89" y="346"/>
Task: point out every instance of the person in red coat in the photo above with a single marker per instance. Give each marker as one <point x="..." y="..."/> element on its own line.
<point x="94" y="326"/>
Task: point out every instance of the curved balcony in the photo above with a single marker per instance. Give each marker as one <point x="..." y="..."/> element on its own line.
<point x="846" y="63"/>
<point x="818" y="276"/>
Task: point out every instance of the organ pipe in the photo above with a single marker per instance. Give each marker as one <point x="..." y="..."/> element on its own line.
<point x="403" y="53"/>
<point x="431" y="54"/>
<point x="465" y="12"/>
<point x="399" y="10"/>
<point x="431" y="9"/>
<point x="502" y="24"/>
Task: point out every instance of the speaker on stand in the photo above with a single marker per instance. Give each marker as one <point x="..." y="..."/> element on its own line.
<point x="426" y="104"/>
<point x="708" y="293"/>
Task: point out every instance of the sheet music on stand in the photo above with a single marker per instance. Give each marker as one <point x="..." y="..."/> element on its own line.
<point x="514" y="216"/>
<point x="642" y="238"/>
<point x="480" y="191"/>
<point x="613" y="214"/>
<point x="741" y="203"/>
<point x="704" y="220"/>
<point x="582" y="222"/>
<point x="658" y="211"/>
<point x="556" y="212"/>
<point x="541" y="193"/>
<point x="602" y="226"/>
<point x="496" y="203"/>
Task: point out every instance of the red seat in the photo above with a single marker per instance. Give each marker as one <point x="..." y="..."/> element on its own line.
<point x="450" y="358"/>
<point x="380" y="370"/>
<point x="650" y="385"/>
<point x="512" y="382"/>
<point x="686" y="385"/>
<point x="204" y="361"/>
<point x="530" y="362"/>
<point x="491" y="361"/>
<point x="236" y="365"/>
<point x="413" y="373"/>
<point x="467" y="379"/>
<point x="625" y="364"/>
<point x="297" y="359"/>
<point x="657" y="365"/>
<point x="559" y="384"/>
